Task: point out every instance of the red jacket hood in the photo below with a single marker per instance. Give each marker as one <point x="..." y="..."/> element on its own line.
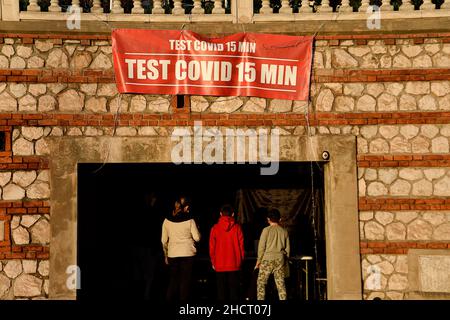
<point x="226" y="245"/>
<point x="226" y="223"/>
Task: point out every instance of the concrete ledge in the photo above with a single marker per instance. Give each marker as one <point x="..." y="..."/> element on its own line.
<point x="303" y="27"/>
<point x="62" y="16"/>
<point x="332" y="16"/>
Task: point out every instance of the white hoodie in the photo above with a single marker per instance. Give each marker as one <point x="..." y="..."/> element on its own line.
<point x="178" y="238"/>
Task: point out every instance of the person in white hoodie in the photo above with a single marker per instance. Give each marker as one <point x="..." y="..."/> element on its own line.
<point x="179" y="235"/>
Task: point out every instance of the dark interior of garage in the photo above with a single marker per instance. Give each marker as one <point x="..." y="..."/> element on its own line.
<point x="121" y="208"/>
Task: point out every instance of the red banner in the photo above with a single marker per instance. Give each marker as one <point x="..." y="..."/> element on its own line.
<point x="183" y="62"/>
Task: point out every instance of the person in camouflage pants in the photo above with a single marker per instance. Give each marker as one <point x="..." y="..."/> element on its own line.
<point x="266" y="268"/>
<point x="273" y="250"/>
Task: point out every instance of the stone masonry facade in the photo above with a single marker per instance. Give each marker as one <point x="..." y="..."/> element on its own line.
<point x="392" y="92"/>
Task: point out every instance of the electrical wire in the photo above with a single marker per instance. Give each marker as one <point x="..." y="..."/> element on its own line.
<point x="116" y="120"/>
<point x="312" y="149"/>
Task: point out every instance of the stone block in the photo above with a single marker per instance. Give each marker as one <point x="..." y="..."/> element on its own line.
<point x="21" y="236"/>
<point x="24" y="178"/>
<point x="388" y="132"/>
<point x="434" y="273"/>
<point x="419" y="230"/>
<point x="387" y="175"/>
<point x="409" y="131"/>
<point x="325" y="100"/>
<point x="373" y="231"/>
<point x="280" y="106"/>
<point x="38" y="190"/>
<point x="40" y="232"/>
<point x="398" y="282"/>
<point x="200" y="104"/>
<point x="417" y="87"/>
<point x="7" y="103"/>
<point x="442" y="232"/>
<point x="376" y="189"/>
<point x="5" y="284"/>
<point x="71" y="101"/>
<point x="98" y="105"/>
<point x="27" y="286"/>
<point x="366" y="103"/>
<point x="13" y="192"/>
<point x="44" y="268"/>
<point x="29" y="266"/>
<point x="428" y="103"/>
<point x="406" y="216"/>
<point x="101" y="61"/>
<point x="442" y="187"/>
<point x="13" y="268"/>
<point x="400" y="188"/>
<point x="396" y="231"/>
<point x="57" y="59"/>
<point x="379" y="146"/>
<point x="341" y="59"/>
<point x="137" y="104"/>
<point x="384" y="217"/>
<point x="344" y="104"/>
<point x="407" y="102"/>
<point x="226" y="105"/>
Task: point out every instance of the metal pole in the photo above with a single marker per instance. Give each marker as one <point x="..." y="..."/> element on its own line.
<point x="307" y="297"/>
<point x="306" y="259"/>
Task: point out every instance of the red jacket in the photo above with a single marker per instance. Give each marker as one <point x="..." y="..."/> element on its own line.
<point x="226" y="245"/>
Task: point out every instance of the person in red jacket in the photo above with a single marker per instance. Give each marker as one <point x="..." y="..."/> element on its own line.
<point x="226" y="249"/>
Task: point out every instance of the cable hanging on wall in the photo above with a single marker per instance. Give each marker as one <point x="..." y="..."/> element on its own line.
<point x="313" y="149"/>
<point x="113" y="133"/>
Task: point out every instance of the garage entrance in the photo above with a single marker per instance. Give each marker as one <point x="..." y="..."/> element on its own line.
<point x="121" y="208"/>
<point x="343" y="262"/>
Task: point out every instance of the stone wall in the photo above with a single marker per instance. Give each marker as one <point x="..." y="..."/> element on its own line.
<point x="405" y="225"/>
<point x="394" y="276"/>
<point x="24" y="267"/>
<point x="390" y="91"/>
<point x="50" y="54"/>
<point x="24" y="279"/>
<point x="407" y="182"/>
<point x="384" y="54"/>
<point x="326" y="97"/>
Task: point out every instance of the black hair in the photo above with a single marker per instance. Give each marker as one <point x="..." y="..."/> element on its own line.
<point x="227" y="210"/>
<point x="274" y="215"/>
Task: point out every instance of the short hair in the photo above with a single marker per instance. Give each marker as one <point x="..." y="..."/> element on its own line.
<point x="227" y="210"/>
<point x="274" y="215"/>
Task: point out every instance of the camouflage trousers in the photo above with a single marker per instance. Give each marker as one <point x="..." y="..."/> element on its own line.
<point x="266" y="268"/>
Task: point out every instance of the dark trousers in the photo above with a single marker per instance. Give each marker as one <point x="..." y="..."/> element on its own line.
<point x="144" y="265"/>
<point x="227" y="286"/>
<point x="180" y="272"/>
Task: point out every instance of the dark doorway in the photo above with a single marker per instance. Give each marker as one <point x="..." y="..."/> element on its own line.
<point x="121" y="208"/>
